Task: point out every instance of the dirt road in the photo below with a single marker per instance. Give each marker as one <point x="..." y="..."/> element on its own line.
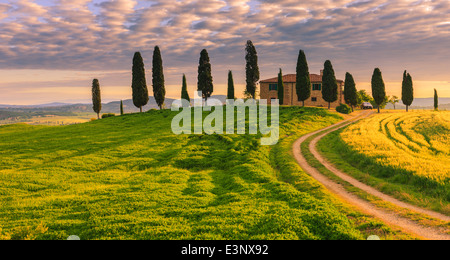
<point x="387" y="217"/>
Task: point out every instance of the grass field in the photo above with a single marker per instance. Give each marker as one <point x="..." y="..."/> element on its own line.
<point x="129" y="177"/>
<point x="404" y="154"/>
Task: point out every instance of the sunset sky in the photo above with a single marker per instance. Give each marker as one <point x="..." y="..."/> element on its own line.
<point x="50" y="50"/>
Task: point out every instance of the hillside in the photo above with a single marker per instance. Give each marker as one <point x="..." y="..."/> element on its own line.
<point x="63" y="114"/>
<point x="129" y="177"/>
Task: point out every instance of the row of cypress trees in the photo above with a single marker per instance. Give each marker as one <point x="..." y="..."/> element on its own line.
<point x="303" y="82"/>
<point x="330" y="86"/>
<point x="379" y="89"/>
<point x="205" y="82"/>
<point x="139" y="84"/>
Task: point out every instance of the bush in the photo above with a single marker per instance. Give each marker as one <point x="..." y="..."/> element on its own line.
<point x="108" y="115"/>
<point x="344" y="109"/>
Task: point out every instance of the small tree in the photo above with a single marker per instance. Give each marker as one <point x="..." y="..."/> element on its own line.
<point x="394" y="100"/>
<point x="280" y="87"/>
<point x="230" y="91"/>
<point x="350" y="93"/>
<point x="303" y="82"/>
<point x="378" y="88"/>
<point x="121" y="108"/>
<point x="139" y="83"/>
<point x="251" y="69"/>
<point x="96" y="97"/>
<point x="184" y="91"/>
<point x="329" y="84"/>
<point x="205" y="80"/>
<point x="436" y="100"/>
<point x="382" y="105"/>
<point x="407" y="90"/>
<point x="159" y="91"/>
<point x="364" y="97"/>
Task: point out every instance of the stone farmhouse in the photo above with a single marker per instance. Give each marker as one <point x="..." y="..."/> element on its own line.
<point x="269" y="91"/>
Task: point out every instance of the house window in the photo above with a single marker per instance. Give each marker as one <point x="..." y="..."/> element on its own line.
<point x="273" y="87"/>
<point x="317" y="86"/>
<point x="314" y="99"/>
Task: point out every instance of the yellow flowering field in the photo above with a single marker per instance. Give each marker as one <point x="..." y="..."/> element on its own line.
<point x="415" y="145"/>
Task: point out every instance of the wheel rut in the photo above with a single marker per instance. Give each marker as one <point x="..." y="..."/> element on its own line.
<point x="337" y="189"/>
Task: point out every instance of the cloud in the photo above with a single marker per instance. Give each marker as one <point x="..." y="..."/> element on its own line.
<point x="103" y="35"/>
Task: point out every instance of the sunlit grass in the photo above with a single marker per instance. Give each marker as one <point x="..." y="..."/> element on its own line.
<point x="407" y="153"/>
<point x="129" y="177"/>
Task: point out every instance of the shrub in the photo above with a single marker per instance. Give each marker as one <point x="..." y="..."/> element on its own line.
<point x="108" y="115"/>
<point x="344" y="109"/>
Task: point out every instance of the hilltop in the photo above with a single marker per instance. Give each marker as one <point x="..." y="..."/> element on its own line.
<point x="130" y="177"/>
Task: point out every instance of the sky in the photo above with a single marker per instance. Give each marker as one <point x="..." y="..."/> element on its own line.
<point x="51" y="50"/>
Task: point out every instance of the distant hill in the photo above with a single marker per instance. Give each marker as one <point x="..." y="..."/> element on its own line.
<point x="111" y="107"/>
<point x="114" y="107"/>
<point x="55" y="104"/>
<point x="423" y="103"/>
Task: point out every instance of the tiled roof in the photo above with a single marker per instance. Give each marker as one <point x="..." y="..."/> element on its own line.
<point x="292" y="78"/>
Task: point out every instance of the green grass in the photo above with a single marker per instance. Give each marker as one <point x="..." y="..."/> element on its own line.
<point x="129" y="177"/>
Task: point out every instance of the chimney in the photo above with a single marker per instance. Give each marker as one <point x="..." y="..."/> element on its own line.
<point x="321" y="72"/>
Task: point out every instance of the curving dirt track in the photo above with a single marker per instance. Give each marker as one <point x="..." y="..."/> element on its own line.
<point x="339" y="190"/>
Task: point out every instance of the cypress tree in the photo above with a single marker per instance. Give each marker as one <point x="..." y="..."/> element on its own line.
<point x="280" y="87"/>
<point x="205" y="80"/>
<point x="184" y="91"/>
<point x="230" y="92"/>
<point x="350" y="92"/>
<point x="303" y="82"/>
<point x="121" y="107"/>
<point x="329" y="84"/>
<point x="378" y="88"/>
<point x="96" y="97"/>
<point x="436" y="100"/>
<point x="407" y="90"/>
<point x="139" y="83"/>
<point x="251" y="69"/>
<point x="159" y="91"/>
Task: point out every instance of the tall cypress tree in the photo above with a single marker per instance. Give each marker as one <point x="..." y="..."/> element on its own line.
<point x="378" y="88"/>
<point x="230" y="92"/>
<point x="329" y="84"/>
<point x="121" y="107"/>
<point x="407" y="90"/>
<point x="350" y="92"/>
<point x="303" y="85"/>
<point x="96" y="97"/>
<point x="184" y="91"/>
<point x="280" y="87"/>
<point x="159" y="91"/>
<point x="251" y="69"/>
<point x="436" y="100"/>
<point x="139" y="83"/>
<point x="205" y="80"/>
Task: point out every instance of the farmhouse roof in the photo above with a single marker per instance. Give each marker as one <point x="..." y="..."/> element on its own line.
<point x="292" y="78"/>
